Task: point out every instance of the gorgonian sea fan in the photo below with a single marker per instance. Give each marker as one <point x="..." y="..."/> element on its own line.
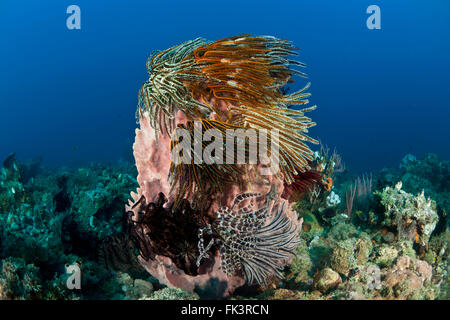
<point x="239" y="80"/>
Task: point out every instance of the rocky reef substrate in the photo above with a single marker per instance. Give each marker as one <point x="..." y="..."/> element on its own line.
<point x="392" y="244"/>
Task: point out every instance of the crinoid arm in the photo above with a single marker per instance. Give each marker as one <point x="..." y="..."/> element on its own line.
<point x="165" y="91"/>
<point x="226" y="125"/>
<point x="241" y="80"/>
<point x="198" y="180"/>
<point x="274" y="242"/>
<point x="252" y="242"/>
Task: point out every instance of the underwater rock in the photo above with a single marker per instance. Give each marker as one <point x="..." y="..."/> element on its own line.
<point x="22" y="281"/>
<point x="48" y="226"/>
<point x="389" y="237"/>
<point x="386" y="255"/>
<point x="94" y="195"/>
<point x="341" y="229"/>
<point x="408" y="279"/>
<point x="348" y="254"/>
<point x="438" y="258"/>
<point x="363" y="249"/>
<point x="430" y="174"/>
<point x="365" y="283"/>
<point x="12" y="190"/>
<point x="342" y="259"/>
<point x="319" y="249"/>
<point x="131" y="289"/>
<point x="301" y="264"/>
<point x="142" y="287"/>
<point x="414" y="217"/>
<point x="326" y="280"/>
<point x="311" y="226"/>
<point x="407" y="161"/>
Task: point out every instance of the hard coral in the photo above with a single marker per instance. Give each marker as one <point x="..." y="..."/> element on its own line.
<point x="414" y="217"/>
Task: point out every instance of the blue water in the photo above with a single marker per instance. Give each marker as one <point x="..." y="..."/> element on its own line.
<point x="71" y="95"/>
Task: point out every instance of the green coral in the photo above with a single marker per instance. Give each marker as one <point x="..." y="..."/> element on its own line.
<point x="341" y="229"/>
<point x="301" y="266"/>
<point x="57" y="218"/>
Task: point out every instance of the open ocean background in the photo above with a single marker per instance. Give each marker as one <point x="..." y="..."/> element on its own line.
<point x="70" y="95"/>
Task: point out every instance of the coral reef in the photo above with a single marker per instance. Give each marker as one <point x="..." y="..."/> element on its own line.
<point x="326" y="279"/>
<point x="408" y="277"/>
<point x="45" y="229"/>
<point x="414" y="217"/>
<point x="236" y="228"/>
<point x="63" y="217"/>
<point x="429" y="174"/>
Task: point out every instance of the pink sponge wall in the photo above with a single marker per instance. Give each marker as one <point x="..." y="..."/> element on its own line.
<point x="153" y="161"/>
